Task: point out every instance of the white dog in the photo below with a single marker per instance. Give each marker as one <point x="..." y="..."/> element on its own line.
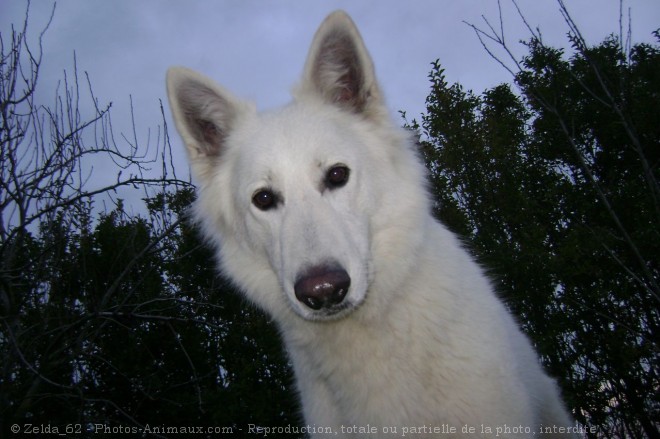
<point x="320" y="216"/>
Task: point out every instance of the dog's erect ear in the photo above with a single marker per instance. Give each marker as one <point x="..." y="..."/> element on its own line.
<point x="340" y="69"/>
<point x="204" y="113"/>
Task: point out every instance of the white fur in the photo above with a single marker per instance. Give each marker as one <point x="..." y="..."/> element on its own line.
<point x="420" y="339"/>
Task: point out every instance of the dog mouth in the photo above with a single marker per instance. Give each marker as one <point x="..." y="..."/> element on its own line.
<point x="335" y="313"/>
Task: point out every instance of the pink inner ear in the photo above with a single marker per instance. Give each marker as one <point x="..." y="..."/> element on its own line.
<point x="339" y="74"/>
<point x="349" y="94"/>
<point x="345" y="95"/>
<point x="211" y="136"/>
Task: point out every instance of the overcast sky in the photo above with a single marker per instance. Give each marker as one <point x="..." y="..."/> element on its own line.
<point x="256" y="48"/>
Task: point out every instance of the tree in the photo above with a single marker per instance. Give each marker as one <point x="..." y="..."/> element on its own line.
<point x="109" y="316"/>
<point x="46" y="197"/>
<point x="556" y="189"/>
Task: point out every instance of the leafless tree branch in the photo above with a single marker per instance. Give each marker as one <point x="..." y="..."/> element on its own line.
<point x="514" y="67"/>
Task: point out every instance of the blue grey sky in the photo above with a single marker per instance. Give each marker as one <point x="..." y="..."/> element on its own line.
<point x="256" y="48"/>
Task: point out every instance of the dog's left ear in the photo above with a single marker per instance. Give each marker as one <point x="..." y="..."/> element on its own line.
<point x="340" y="70"/>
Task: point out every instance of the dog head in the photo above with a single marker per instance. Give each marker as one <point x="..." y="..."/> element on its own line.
<point x="289" y="196"/>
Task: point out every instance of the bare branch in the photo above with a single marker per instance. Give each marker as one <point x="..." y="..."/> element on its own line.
<point x="48" y="154"/>
<point x="610" y="101"/>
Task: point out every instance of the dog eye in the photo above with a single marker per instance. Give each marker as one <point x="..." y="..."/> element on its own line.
<point x="337" y="176"/>
<point x="264" y="199"/>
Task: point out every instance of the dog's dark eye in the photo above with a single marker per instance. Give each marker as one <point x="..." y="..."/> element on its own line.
<point x="264" y="199"/>
<point x="337" y="176"/>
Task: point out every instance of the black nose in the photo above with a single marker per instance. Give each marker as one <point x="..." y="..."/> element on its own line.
<point x="322" y="286"/>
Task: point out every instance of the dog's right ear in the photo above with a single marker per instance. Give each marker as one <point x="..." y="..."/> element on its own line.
<point x="204" y="113"/>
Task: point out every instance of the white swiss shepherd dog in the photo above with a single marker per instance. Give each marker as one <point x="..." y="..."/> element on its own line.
<point x="320" y="215"/>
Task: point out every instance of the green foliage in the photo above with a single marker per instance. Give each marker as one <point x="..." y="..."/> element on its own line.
<point x="556" y="190"/>
<point x="125" y="322"/>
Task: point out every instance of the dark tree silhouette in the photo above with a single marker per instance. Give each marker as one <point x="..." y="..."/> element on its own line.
<point x="556" y="188"/>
